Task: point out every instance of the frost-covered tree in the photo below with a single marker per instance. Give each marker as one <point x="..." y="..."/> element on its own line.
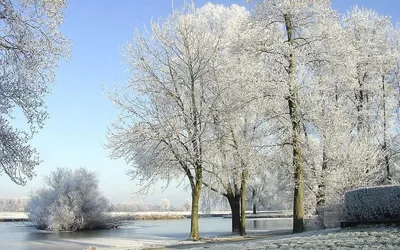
<point x="293" y="37"/>
<point x="218" y="95"/>
<point x="165" y="204"/>
<point x="69" y="201"/>
<point x="353" y="132"/>
<point x="376" y="43"/>
<point x="187" y="204"/>
<point x="237" y="115"/>
<point x="167" y="105"/>
<point x="269" y="189"/>
<point x="30" y="48"/>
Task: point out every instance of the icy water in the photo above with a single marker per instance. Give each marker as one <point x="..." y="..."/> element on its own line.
<point x="23" y="236"/>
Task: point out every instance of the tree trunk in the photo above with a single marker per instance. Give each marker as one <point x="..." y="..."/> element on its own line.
<point x="194" y="220"/>
<point x="298" y="201"/>
<point x="360" y="97"/>
<point x="243" y="204"/>
<point x="253" y="196"/>
<point x="196" y="191"/>
<point x="321" y="199"/>
<point x="388" y="178"/>
<point x="234" y="203"/>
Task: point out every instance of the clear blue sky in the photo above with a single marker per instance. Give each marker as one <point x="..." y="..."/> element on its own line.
<point x="79" y="110"/>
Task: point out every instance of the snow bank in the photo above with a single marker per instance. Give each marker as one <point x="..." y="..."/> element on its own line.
<point x="13" y="215"/>
<point x="373" y="203"/>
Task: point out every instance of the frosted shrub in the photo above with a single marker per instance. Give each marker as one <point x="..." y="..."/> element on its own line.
<point x="328" y="216"/>
<point x="314" y="222"/>
<point x="69" y="201"/>
<point x="375" y="203"/>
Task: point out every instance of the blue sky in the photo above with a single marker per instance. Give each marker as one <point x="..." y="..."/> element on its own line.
<point x="75" y="133"/>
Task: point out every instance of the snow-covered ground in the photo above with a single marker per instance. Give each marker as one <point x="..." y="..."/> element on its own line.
<point x="367" y="238"/>
<point x="358" y="238"/>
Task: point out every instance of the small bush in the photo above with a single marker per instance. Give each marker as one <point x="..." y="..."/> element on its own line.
<point x="69" y="201"/>
<point x="373" y="204"/>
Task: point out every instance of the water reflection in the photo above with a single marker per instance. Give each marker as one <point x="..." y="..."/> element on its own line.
<point x="23" y="236"/>
<point x="268" y="224"/>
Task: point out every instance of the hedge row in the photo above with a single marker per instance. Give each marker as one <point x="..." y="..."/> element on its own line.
<point x="373" y="204"/>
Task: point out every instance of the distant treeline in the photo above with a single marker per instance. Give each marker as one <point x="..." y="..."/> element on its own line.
<point x="143" y="207"/>
<point x="20" y="204"/>
<point x="13" y="204"/>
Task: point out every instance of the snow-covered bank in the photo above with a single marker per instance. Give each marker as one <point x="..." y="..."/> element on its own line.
<point x="184" y="213"/>
<point x="13" y="216"/>
<point x="24" y="215"/>
<point x="357" y="238"/>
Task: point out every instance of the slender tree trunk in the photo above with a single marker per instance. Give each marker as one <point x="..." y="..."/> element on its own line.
<point x="253" y="197"/>
<point x="243" y="203"/>
<point x="360" y="97"/>
<point x="321" y="186"/>
<point x="234" y="203"/>
<point x="384" y="146"/>
<point x="298" y="201"/>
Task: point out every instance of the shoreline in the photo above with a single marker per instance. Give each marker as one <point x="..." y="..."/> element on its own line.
<point x="157" y="215"/>
<point x="208" y="242"/>
<point x="13" y="216"/>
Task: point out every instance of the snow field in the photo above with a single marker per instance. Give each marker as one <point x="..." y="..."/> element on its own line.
<point x="357" y="238"/>
<point x="366" y="239"/>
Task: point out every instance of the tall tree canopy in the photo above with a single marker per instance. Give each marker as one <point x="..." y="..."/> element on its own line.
<point x="220" y="94"/>
<point x="168" y="105"/>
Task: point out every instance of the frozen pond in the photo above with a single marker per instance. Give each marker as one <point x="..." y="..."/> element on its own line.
<point x="23" y="236"/>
